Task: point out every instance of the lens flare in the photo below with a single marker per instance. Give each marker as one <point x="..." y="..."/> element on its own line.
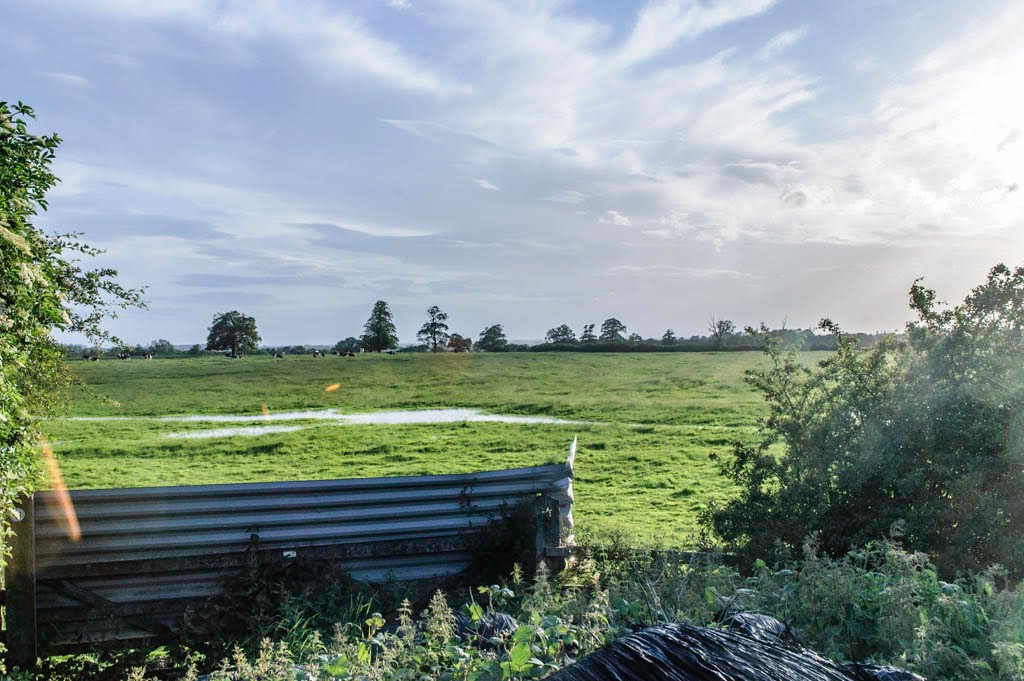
<point x="332" y="387"/>
<point x="60" y="491"/>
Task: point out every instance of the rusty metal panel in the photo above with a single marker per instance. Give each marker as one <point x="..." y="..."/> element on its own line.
<point x="154" y="550"/>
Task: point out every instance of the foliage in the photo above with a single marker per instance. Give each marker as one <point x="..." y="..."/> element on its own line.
<point x="434" y="331"/>
<point x="721" y="330"/>
<point x="161" y="346"/>
<point x="350" y="344"/>
<point x="927" y="432"/>
<point x="458" y="343"/>
<point x="232" y="331"/>
<point x="587" y="336"/>
<point x="492" y="339"/>
<point x="379" y="332"/>
<point x="43" y="288"/>
<point x="560" y="334"/>
<point x="877" y="604"/>
<point x="669" y="337"/>
<point x="612" y="331"/>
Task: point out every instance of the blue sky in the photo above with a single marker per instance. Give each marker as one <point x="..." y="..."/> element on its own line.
<point x="529" y="163"/>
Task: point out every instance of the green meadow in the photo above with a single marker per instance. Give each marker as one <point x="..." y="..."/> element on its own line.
<point x="646" y="423"/>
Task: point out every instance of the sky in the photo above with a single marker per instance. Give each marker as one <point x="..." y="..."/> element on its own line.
<point x="528" y="163"/>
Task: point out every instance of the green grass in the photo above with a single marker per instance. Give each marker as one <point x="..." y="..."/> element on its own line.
<point x="642" y="465"/>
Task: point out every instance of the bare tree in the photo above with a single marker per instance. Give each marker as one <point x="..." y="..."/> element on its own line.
<point x="720" y="330"/>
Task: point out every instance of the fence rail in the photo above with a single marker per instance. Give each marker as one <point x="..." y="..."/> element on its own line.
<point x="145" y="555"/>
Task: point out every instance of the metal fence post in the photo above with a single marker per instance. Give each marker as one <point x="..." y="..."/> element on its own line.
<point x="21" y="589"/>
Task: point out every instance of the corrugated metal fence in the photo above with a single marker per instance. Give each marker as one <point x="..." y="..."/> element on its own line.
<point x="146" y="554"/>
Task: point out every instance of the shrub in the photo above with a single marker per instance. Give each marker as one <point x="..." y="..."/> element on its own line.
<point x="926" y="430"/>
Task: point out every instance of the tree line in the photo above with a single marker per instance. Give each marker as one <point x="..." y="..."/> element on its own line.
<point x="236" y="333"/>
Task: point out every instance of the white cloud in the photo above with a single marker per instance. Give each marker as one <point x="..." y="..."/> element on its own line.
<point x="662" y="271"/>
<point x="486" y="184"/>
<point x="399" y="4"/>
<point x="663" y="23"/>
<point x="570" y="196"/>
<point x="68" y="78"/>
<point x="614" y="217"/>
<point x="865" y="64"/>
<point x="329" y="40"/>
<point x="781" y="42"/>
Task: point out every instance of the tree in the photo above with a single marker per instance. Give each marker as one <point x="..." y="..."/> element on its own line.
<point x="232" y="331"/>
<point x="588" y="334"/>
<point x="43" y="288"/>
<point x="920" y="432"/>
<point x="161" y="346"/>
<point x="195" y="349"/>
<point x="350" y="344"/>
<point x="560" y="334"/>
<point x="720" y="330"/>
<point x="379" y="332"/>
<point x="492" y="339"/>
<point x="669" y="337"/>
<point x="456" y="343"/>
<point x="635" y="338"/>
<point x="612" y="331"/>
<point x="435" y="331"/>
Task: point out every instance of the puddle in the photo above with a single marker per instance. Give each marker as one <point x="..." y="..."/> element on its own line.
<point x="325" y="414"/>
<point x="233" y="432"/>
<point x="369" y="418"/>
<point x="332" y="417"/>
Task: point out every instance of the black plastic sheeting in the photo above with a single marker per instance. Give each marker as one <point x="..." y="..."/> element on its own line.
<point x="764" y="628"/>
<point x="756" y="648"/>
<point x="491" y="625"/>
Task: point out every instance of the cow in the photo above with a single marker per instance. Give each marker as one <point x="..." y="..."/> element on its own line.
<point x="148" y="356"/>
<point x="278" y="355"/>
<point x="94" y="358"/>
<point x="317" y="353"/>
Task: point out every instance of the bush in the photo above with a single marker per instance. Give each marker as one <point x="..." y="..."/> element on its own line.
<point x="926" y="431"/>
<point x="879" y="603"/>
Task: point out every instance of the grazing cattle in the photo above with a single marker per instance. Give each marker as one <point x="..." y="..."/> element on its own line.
<point x="149" y="356"/>
<point x="278" y="355"/>
<point x="349" y="353"/>
<point x="317" y="353"/>
<point x="94" y="359"/>
<point x="123" y="355"/>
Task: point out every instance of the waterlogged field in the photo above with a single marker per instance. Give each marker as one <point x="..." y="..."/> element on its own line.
<point x="646" y="424"/>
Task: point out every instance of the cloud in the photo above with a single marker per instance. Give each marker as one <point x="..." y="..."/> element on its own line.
<point x="68" y="78"/>
<point x="614" y="217"/>
<point x="679" y="271"/>
<point x="865" y="64"/>
<point x="350" y="153"/>
<point x="782" y="42"/>
<point x="331" y="41"/>
<point x="570" y="196"/>
<point x="367" y="229"/>
<point x="663" y="23"/>
<point x="399" y="4"/>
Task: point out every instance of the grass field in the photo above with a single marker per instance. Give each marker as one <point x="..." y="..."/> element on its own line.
<point x="642" y="466"/>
